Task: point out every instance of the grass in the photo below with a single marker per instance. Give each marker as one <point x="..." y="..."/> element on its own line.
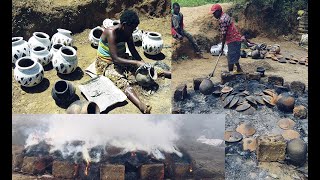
<point x="192" y="3"/>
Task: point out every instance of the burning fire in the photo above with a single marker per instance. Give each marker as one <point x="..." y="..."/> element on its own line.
<point x="191" y="169"/>
<point x="87" y="158"/>
<point x="87" y="168"/>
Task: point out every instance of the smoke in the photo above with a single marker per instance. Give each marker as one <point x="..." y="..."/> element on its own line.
<point x="141" y="134"/>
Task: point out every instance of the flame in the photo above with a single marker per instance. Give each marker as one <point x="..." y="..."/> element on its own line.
<point x="87" y="168"/>
<point x="133" y="154"/>
<point x="87" y="158"/>
<point x="190" y="169"/>
<point x="76" y="166"/>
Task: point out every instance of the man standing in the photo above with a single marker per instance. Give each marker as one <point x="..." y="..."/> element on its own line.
<point x="177" y="28"/>
<point x="229" y="36"/>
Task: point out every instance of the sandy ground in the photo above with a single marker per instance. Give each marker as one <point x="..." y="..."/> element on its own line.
<point x="38" y="99"/>
<point x="186" y="70"/>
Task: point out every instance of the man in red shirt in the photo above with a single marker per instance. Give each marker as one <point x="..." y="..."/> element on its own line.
<point x="229" y="36"/>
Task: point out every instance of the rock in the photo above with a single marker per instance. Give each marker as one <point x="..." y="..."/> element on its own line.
<point x="254" y="76"/>
<point x="151" y="171"/>
<point x="297" y="151"/>
<point x="300" y="112"/>
<point x="196" y="83"/>
<point x="246" y="129"/>
<point x="285" y="102"/>
<point x="290" y="134"/>
<point x="63" y="169"/>
<point x="271" y="148"/>
<point x="249" y="144"/>
<point x="112" y="172"/>
<point x="286" y="123"/>
<point x="275" y="80"/>
<point x="297" y="87"/>
<point x="180" y="92"/>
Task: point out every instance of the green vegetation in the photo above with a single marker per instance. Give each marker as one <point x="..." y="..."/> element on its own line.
<point x="192" y="3"/>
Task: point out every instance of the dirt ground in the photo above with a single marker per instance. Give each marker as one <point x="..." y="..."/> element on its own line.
<point x="38" y="99"/>
<point x="183" y="71"/>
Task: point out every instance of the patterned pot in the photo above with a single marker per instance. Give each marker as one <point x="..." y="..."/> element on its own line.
<point x="146" y="75"/>
<point x="65" y="61"/>
<point x="63" y="92"/>
<point x="41" y="54"/>
<point x="136" y="35"/>
<point x="152" y="44"/>
<point x="54" y="49"/>
<point x="143" y="34"/>
<point x="20" y="48"/>
<point x="109" y="23"/>
<point x="94" y="35"/>
<point x="83" y="107"/>
<point x="28" y="72"/>
<point x="39" y="38"/>
<point x="63" y="36"/>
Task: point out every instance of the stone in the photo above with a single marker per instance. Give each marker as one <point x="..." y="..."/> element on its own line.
<point x="112" y="172"/>
<point x="275" y="80"/>
<point x="285" y="102"/>
<point x="64" y="169"/>
<point x="181" y="170"/>
<point x="249" y="144"/>
<point x="286" y="123"/>
<point x="34" y="165"/>
<point x="151" y="171"/>
<point x="290" y="134"/>
<point x="246" y="129"/>
<point x="180" y="92"/>
<point x="271" y="148"/>
<point x="300" y="112"/>
<point x="254" y="76"/>
<point x="297" y="87"/>
<point x="196" y="83"/>
<point x="297" y="151"/>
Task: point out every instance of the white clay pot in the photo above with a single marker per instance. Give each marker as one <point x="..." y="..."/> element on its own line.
<point x="136" y="35"/>
<point x="41" y="54"/>
<point x="65" y="61"/>
<point x="20" y="48"/>
<point x="109" y="23"/>
<point x="28" y="72"/>
<point x="153" y="43"/>
<point x="54" y="49"/>
<point x="63" y="36"/>
<point x="143" y="34"/>
<point x="38" y="39"/>
<point x="94" y="35"/>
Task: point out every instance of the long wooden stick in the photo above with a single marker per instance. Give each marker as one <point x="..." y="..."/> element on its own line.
<point x="210" y="75"/>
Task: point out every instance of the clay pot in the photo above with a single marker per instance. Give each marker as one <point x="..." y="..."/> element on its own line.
<point x="65" y="61"/>
<point x="136" y="35"/>
<point x="40" y="38"/>
<point x="146" y="75"/>
<point x="153" y="43"/>
<point x="41" y="54"/>
<point x="206" y="87"/>
<point x="63" y="92"/>
<point x="107" y="23"/>
<point x="94" y="35"/>
<point x="246" y="129"/>
<point x="255" y="54"/>
<point x="297" y="151"/>
<point x="54" y="49"/>
<point x="20" y="48"/>
<point x="243" y="54"/>
<point x="232" y="136"/>
<point x="28" y="72"/>
<point x="63" y="36"/>
<point x="83" y="107"/>
<point x="276" y="48"/>
<point x="285" y="102"/>
<point x="261" y="70"/>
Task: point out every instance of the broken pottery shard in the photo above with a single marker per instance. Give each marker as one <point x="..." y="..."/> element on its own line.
<point x="244" y="106"/>
<point x="226" y="89"/>
<point x="271" y="148"/>
<point x="249" y="111"/>
<point x="63" y="169"/>
<point x="227" y="100"/>
<point x="151" y="171"/>
<point x="290" y="134"/>
<point x="112" y="172"/>
<point x="286" y="123"/>
<point x="224" y="95"/>
<point x="180" y="92"/>
<point x="285" y="102"/>
<point x="269" y="92"/>
<point x="249" y="144"/>
<point x="300" y="112"/>
<point x="297" y="151"/>
<point x="259" y="100"/>
<point x="246" y="129"/>
<point x="232" y="136"/>
<point x="268" y="100"/>
<point x="234" y="101"/>
<point x="251" y="100"/>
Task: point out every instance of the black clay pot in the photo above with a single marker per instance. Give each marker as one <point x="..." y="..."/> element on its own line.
<point x="297" y="151"/>
<point x="83" y="107"/>
<point x="206" y="87"/>
<point x="63" y="93"/>
<point x="261" y="70"/>
<point x="243" y="54"/>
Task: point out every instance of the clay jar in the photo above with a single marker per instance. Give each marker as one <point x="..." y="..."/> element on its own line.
<point x="297" y="150"/>
<point x="63" y="36"/>
<point x="109" y="23"/>
<point x="285" y="102"/>
<point x="83" y="107"/>
<point x="206" y="86"/>
<point x="54" y="49"/>
<point x="136" y="35"/>
<point x="20" y="48"/>
<point x="41" y="54"/>
<point x="39" y="38"/>
<point x="63" y="93"/>
<point x="94" y="35"/>
<point x="28" y="72"/>
<point x="152" y="44"/>
<point x="146" y="75"/>
<point x="65" y="61"/>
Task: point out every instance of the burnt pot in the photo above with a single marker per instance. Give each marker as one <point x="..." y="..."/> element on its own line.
<point x="206" y="87"/>
<point x="285" y="102"/>
<point x="83" y="107"/>
<point x="63" y="92"/>
<point x="297" y="151"/>
<point x="261" y="70"/>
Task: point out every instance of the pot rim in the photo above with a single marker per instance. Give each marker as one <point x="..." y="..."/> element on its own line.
<point x="64" y="31"/>
<point x="261" y="69"/>
<point x="70" y="48"/>
<point x="25" y="58"/>
<point x="43" y="50"/>
<point x="95" y="29"/>
<point x="18" y="40"/>
<point x="42" y="33"/>
<point x="61" y="92"/>
<point x="57" y="44"/>
<point x="158" y="35"/>
<point x="155" y="76"/>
